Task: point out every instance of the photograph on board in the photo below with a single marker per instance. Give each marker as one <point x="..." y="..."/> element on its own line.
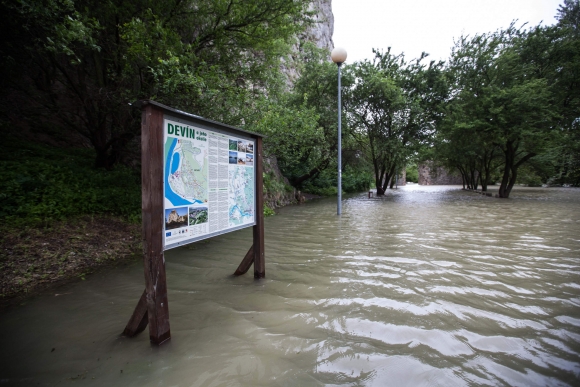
<point x="197" y="215"/>
<point x="233" y="157"/>
<point x="175" y="218"/>
<point x="242" y="146"/>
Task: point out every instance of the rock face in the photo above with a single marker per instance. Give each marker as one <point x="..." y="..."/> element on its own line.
<point x="403" y="177"/>
<point x="175" y="218"/>
<point x="437" y="176"/>
<point x="320" y="33"/>
<point x="277" y="190"/>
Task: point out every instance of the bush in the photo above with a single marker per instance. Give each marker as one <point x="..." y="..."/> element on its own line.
<point x="356" y="181"/>
<point x="412" y="173"/>
<point x="325" y="184"/>
<point x="42" y="183"/>
<point x="268" y="211"/>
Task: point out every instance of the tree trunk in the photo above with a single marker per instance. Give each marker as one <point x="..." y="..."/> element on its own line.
<point x="506" y="183"/>
<point x="388" y="177"/>
<point x="379" y="174"/>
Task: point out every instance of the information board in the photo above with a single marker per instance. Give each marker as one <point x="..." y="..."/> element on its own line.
<point x="209" y="182"/>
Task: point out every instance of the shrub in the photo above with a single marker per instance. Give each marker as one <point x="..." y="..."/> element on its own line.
<point x="42" y="183"/>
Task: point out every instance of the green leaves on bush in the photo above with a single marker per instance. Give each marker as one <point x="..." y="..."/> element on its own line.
<point x="42" y="184"/>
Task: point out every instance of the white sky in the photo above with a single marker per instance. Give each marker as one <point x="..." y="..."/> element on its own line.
<point x="413" y="26"/>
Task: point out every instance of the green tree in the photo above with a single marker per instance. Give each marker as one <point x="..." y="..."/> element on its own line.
<point x="502" y="104"/>
<point x="79" y="64"/>
<point x="301" y="125"/>
<point x="565" y="84"/>
<point x="393" y="108"/>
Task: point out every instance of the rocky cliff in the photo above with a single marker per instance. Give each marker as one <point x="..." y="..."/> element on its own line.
<point x="437" y="176"/>
<point x="320" y="33"/>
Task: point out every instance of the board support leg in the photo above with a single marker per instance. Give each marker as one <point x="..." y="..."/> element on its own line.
<point x="258" y="229"/>
<point x="153" y="220"/>
<point x="246" y="262"/>
<point x="139" y="320"/>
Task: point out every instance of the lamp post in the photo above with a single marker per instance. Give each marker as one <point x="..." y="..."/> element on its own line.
<point x="338" y="56"/>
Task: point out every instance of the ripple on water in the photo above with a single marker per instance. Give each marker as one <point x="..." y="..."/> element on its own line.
<point x="427" y="286"/>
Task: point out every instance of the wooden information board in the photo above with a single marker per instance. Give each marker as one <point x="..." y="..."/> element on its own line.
<point x="200" y="178"/>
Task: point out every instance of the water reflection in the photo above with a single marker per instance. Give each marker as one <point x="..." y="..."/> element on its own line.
<point x="425" y="286"/>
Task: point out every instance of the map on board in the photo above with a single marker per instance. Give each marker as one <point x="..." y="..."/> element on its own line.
<point x="208" y="182"/>
<point x="186" y="172"/>
<point x="241" y="195"/>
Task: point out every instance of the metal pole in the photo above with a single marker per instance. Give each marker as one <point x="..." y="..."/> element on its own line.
<point x="339" y="207"/>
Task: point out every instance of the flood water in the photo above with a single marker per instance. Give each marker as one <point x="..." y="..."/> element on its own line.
<point x="428" y="286"/>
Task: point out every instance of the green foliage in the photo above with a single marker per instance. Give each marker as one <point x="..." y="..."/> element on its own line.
<point x="503" y="112"/>
<point x="268" y="211"/>
<point x="41" y="183"/>
<point x="412" y="173"/>
<point x="528" y="176"/>
<point x="301" y="125"/>
<point x="80" y="63"/>
<point x="356" y="180"/>
<point x="292" y="134"/>
<point x="272" y="185"/>
<point x="393" y="108"/>
<point x="326" y="183"/>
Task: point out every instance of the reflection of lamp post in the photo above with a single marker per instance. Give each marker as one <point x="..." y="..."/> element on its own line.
<point x="338" y="56"/>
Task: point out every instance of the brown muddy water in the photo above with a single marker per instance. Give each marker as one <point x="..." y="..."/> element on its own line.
<point x="428" y="286"/>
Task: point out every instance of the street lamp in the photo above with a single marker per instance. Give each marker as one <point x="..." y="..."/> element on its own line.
<point x="338" y="56"/>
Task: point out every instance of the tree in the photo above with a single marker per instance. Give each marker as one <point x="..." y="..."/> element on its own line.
<point x="565" y="84"/>
<point x="301" y="125"/>
<point x="501" y="101"/>
<point x="81" y="63"/>
<point x="393" y="108"/>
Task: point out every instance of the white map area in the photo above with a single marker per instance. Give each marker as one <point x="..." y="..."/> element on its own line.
<point x="187" y="180"/>
<point x="241" y="195"/>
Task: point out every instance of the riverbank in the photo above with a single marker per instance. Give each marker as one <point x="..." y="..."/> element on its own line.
<point x="34" y="260"/>
<point x="53" y="227"/>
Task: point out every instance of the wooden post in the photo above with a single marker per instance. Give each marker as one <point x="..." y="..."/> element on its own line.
<point x="259" y="256"/>
<point x="246" y="262"/>
<point x="153" y="221"/>
<point x="139" y="319"/>
<point x="256" y="253"/>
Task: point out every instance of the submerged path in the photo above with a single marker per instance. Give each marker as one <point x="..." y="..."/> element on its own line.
<point x="425" y="286"/>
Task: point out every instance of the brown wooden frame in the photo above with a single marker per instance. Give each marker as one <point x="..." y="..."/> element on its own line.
<point x="152" y="308"/>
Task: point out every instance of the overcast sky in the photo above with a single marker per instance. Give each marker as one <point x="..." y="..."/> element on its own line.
<point x="413" y="26"/>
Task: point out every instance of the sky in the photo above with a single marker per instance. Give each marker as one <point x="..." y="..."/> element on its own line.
<point x="413" y="26"/>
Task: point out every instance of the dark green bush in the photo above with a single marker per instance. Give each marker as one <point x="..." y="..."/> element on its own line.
<point x="41" y="183"/>
<point x="325" y="184"/>
<point x="412" y="173"/>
